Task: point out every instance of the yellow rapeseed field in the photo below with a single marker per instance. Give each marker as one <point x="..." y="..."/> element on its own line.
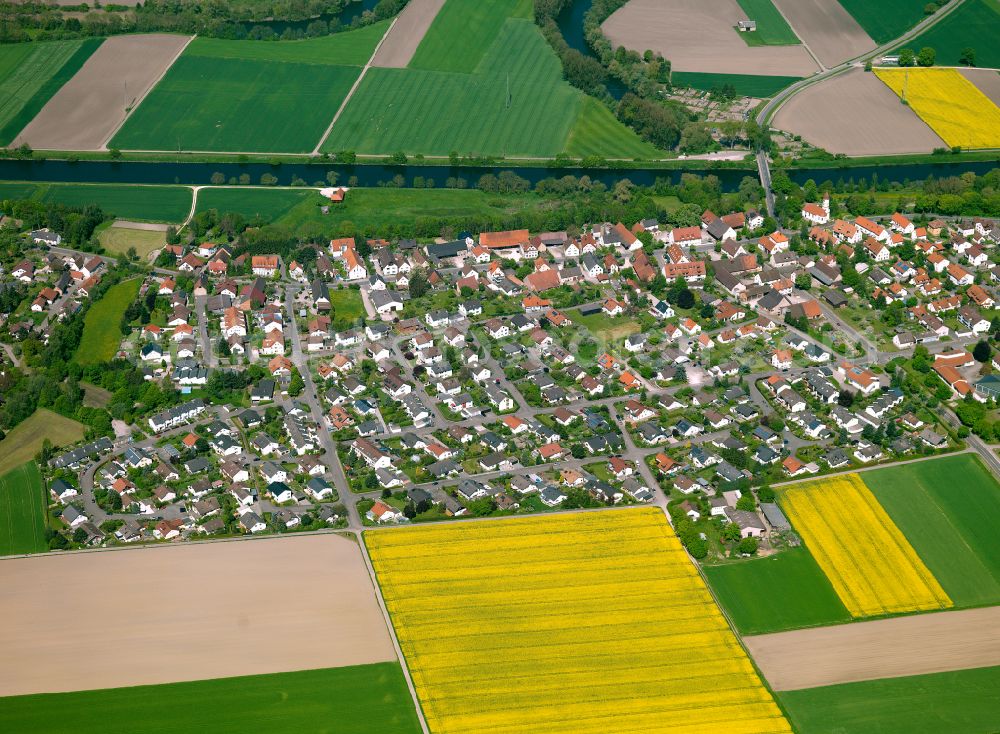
<point x="586" y="623"/>
<point x="949" y="103"/>
<point x="872" y="566"/>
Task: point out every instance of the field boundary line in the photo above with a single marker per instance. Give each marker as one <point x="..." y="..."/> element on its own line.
<point x="820" y="64"/>
<point x="343" y="105"/>
<point x="862" y="469"/>
<point x="150" y="88"/>
<point x="403" y="664"/>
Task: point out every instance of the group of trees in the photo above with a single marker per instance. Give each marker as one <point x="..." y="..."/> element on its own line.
<point x="75" y="224"/>
<point x="237" y="19"/>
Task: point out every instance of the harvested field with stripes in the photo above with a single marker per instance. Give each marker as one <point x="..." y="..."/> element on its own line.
<point x="583" y="623"/>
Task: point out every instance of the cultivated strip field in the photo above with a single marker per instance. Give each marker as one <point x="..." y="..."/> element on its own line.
<point x="886" y="127"/>
<point x="90" y="106"/>
<point x="700" y="35"/>
<point x="948" y="102"/>
<point x="30" y="73"/>
<point x="22" y="511"/>
<point x="589" y="622"/>
<point x="827" y="29"/>
<point x="407" y="33"/>
<point x="187" y="612"/>
<point x="237" y="96"/>
<point x="883" y="648"/>
<point x="871" y="565"/>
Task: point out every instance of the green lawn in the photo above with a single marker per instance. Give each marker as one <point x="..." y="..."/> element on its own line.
<point x="748" y="85"/>
<point x="961" y="702"/>
<point x="144" y="203"/>
<point x="350" y="48"/>
<point x="346" y="307"/>
<point x="949" y="510"/>
<point x="22" y="511"/>
<point x="975" y="24"/>
<point x="364" y="698"/>
<point x="460" y="34"/>
<point x="772" y="28"/>
<point x="602" y="326"/>
<point x="251" y="202"/>
<point x="101" y="332"/>
<point x="493" y="111"/>
<point x="30" y="73"/>
<point x="886" y="19"/>
<point x="780" y="592"/>
<point x="24" y="440"/>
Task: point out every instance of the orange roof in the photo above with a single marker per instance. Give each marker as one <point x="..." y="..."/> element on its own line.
<point x="499" y="240"/>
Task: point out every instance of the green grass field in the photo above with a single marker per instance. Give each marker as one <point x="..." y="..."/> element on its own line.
<point x="251" y="202"/>
<point x="961" y="702"/>
<point x="603" y="326"/>
<point x="117" y="240"/>
<point x="347" y="307"/>
<point x="22" y="511"/>
<point x="101" y="333"/>
<point x="144" y="203"/>
<point x="24" y="440"/>
<point x="772" y="28"/>
<point x="595" y="125"/>
<point x="401" y="210"/>
<point x="975" y="24"/>
<point x="350" y="48"/>
<point x="780" y="592"/>
<point x="364" y="698"/>
<point x="885" y="19"/>
<point x="250" y="96"/>
<point x="461" y="34"/>
<point x="949" y="510"/>
<point x="30" y="73"/>
<point x="748" y="85"/>
<point x="436" y="112"/>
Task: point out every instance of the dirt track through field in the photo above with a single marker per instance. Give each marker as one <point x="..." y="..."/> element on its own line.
<point x="700" y="35"/>
<point x="987" y="81"/>
<point x="885" y="648"/>
<point x="829" y="30"/>
<point x="402" y="41"/>
<point x="91" y="106"/>
<point x="855" y="114"/>
<point x="186" y="612"/>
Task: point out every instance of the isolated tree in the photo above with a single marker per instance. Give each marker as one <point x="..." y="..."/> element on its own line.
<point x="906" y="57"/>
<point x="927" y="56"/>
<point x="967" y="57"/>
<point x="747" y="546"/>
<point x="982" y="352"/>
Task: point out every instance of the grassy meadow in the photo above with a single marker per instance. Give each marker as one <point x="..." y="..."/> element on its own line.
<point x="960" y="702"/>
<point x="253" y="202"/>
<point x="101" y="332"/>
<point x="31" y="73"/>
<point x="886" y="19"/>
<point x="126" y="201"/>
<point x="494" y="110"/>
<point x="784" y="591"/>
<point x="595" y="125"/>
<point x="347" y="308"/>
<point x="250" y="96"/>
<point x="363" y="698"/>
<point x="976" y="23"/>
<point x="772" y="28"/>
<point x="117" y="240"/>
<point x="22" y="511"/>
<point x="948" y="509"/>
<point x="24" y="440"/>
